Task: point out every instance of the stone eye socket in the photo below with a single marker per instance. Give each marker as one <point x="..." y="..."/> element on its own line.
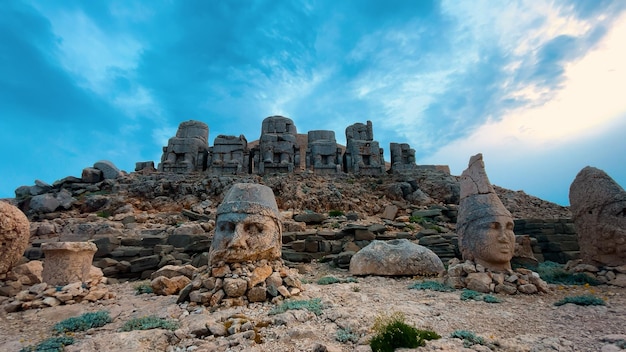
<point x="509" y="226"/>
<point x="494" y="225"/>
<point x="253" y="228"/>
<point x="226" y="226"/>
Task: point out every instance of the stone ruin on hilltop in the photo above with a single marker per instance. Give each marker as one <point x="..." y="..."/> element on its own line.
<point x="280" y="150"/>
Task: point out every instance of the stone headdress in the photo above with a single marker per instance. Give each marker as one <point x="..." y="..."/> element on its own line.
<point x="249" y="198"/>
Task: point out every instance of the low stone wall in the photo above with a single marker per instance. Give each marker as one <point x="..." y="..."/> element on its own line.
<point x="555" y="239"/>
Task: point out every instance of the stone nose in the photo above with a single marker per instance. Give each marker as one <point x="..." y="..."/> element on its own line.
<point x="239" y="237"/>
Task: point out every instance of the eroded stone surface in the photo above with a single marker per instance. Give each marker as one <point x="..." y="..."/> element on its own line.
<point x="229" y="155"/>
<point x="67" y="262"/>
<point x="323" y="156"/>
<point x="188" y="150"/>
<point x="395" y="258"/>
<point x="278" y="151"/>
<point x="598" y="206"/>
<point x="14" y="235"/>
<point x="363" y="155"/>
<point x="484" y="225"/>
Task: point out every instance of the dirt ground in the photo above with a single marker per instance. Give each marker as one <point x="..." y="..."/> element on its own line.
<point x="518" y="323"/>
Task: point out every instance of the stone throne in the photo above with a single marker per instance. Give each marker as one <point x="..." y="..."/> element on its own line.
<point x="278" y="151"/>
<point x="323" y="155"/>
<point x="229" y="155"/>
<point x="188" y="150"/>
<point x="402" y="157"/>
<point x="363" y="155"/>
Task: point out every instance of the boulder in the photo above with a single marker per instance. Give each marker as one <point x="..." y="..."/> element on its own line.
<point x="395" y="258"/>
<point x="91" y="175"/>
<point x="44" y="203"/>
<point x="14" y="235"/>
<point x="109" y="170"/>
<point x="598" y="206"/>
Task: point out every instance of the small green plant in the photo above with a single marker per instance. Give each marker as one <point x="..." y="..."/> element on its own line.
<point x="313" y="305"/>
<point x="83" y="322"/>
<point x="555" y="273"/>
<point x="583" y="300"/>
<point x="431" y="285"/>
<point x="356" y="288"/>
<point x="335" y="225"/>
<point x="466" y="295"/>
<point x="103" y="213"/>
<point x="143" y="288"/>
<point x="327" y="280"/>
<point x="345" y="335"/>
<point x="468" y="337"/>
<point x="335" y="213"/>
<point x="51" y="344"/>
<point x="477" y="296"/>
<point x="393" y="332"/>
<point x="149" y="322"/>
<point x="621" y="343"/>
<point x="417" y="220"/>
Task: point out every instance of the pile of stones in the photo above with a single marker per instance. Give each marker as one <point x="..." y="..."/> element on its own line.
<point x="476" y="277"/>
<point x="33" y="293"/>
<point x="237" y="284"/>
<point x="611" y="275"/>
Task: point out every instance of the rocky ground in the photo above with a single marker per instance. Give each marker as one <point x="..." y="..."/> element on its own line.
<point x="518" y="323"/>
<point x="158" y="202"/>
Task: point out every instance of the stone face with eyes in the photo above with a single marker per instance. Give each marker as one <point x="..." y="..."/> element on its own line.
<point x="243" y="237"/>
<point x="491" y="241"/>
<point x="247" y="227"/>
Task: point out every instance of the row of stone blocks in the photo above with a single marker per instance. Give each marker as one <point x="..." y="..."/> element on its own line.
<point x="555" y="239"/>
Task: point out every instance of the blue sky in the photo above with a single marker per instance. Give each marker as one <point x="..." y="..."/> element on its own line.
<point x="536" y="86"/>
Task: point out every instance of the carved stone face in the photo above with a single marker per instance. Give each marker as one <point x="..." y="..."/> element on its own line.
<point x="241" y="237"/>
<point x="493" y="242"/>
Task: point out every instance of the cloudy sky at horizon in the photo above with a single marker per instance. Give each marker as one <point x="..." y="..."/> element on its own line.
<point x="536" y="86"/>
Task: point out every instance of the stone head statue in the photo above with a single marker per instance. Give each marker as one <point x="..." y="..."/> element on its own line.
<point x="484" y="225"/>
<point x="598" y="206"/>
<point x="248" y="226"/>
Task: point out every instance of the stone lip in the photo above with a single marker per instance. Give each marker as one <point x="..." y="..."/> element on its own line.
<point x="69" y="246"/>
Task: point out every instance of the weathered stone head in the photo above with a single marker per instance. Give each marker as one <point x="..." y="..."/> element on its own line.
<point x="598" y="206"/>
<point x="248" y="226"/>
<point x="484" y="225"/>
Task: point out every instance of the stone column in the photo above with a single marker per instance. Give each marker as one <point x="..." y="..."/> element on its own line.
<point x="67" y="262"/>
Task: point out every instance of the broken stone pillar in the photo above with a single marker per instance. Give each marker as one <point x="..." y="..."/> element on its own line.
<point x="14" y="236"/>
<point x="229" y="155"/>
<point x="598" y="206"/>
<point x="245" y="262"/>
<point x="402" y="157"/>
<point x="278" y="151"/>
<point x="484" y="225"/>
<point x="188" y="150"/>
<point x="67" y="262"/>
<point x="323" y="155"/>
<point x="363" y="155"/>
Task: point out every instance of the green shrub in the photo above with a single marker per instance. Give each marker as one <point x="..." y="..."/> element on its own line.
<point x="83" y="322"/>
<point x="477" y="296"/>
<point x="431" y="285"/>
<point x="327" y="280"/>
<point x="103" y="213"/>
<point x="149" y="322"/>
<point x="313" y="305"/>
<point x="466" y="295"/>
<point x="335" y="213"/>
<point x="584" y="300"/>
<point x="491" y="299"/>
<point x="417" y="219"/>
<point x="356" y="289"/>
<point x="468" y="337"/>
<point x="392" y="332"/>
<point x="52" y="344"/>
<point x="345" y="335"/>
<point x="143" y="288"/>
<point x="554" y="273"/>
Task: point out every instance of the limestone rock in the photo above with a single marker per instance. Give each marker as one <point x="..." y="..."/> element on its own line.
<point x="68" y="262"/>
<point x="29" y="273"/>
<point x="91" y="175"/>
<point x="109" y="170"/>
<point x="395" y="258"/>
<point x="44" y="203"/>
<point x="598" y="207"/>
<point x="163" y="285"/>
<point x="14" y="235"/>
